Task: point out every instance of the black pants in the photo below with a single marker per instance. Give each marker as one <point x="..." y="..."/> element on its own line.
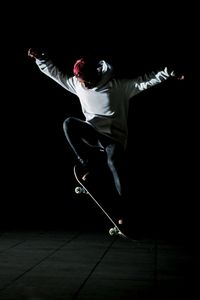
<point x="83" y="138"/>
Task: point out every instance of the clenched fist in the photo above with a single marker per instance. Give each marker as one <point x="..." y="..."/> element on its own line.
<point x="35" y="53"/>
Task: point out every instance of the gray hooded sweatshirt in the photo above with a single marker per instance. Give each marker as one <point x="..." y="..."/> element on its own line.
<point x="105" y="106"/>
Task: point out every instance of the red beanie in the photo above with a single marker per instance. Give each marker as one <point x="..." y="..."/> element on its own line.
<point x="79" y="67"/>
<point x="85" y="69"/>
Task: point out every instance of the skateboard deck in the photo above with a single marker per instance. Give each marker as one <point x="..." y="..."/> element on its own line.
<point x="82" y="188"/>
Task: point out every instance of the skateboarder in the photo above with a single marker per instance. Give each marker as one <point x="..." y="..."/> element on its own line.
<point x="104" y="100"/>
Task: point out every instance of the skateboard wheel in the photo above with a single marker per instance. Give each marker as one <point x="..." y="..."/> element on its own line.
<point x="113" y="231"/>
<point x="78" y="190"/>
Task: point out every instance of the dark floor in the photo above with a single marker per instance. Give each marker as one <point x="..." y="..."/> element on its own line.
<point x="57" y="264"/>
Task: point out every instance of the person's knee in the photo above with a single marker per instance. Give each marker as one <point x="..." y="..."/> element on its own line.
<point x="68" y="124"/>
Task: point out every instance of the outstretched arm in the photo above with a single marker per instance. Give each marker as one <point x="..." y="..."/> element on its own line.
<point x="47" y="66"/>
<point x="146" y="81"/>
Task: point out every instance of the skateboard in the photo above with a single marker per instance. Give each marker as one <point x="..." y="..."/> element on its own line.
<point x="82" y="188"/>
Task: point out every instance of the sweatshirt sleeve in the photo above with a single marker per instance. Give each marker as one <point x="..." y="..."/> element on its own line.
<point x="48" y="68"/>
<point x="146" y="81"/>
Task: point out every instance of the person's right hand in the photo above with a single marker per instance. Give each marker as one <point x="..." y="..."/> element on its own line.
<point x="34" y="53"/>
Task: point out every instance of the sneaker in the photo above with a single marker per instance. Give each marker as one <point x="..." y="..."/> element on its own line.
<point x="86" y="172"/>
<point x="127" y="230"/>
<point x="86" y="176"/>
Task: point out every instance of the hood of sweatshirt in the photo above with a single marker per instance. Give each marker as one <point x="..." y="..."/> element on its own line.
<point x="106" y="73"/>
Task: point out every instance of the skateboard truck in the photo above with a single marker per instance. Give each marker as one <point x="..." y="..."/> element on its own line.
<point x="115" y="231"/>
<point x="80" y="190"/>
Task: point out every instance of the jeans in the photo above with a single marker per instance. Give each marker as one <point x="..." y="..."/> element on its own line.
<point x="84" y="138"/>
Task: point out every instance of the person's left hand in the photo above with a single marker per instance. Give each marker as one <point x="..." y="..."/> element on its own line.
<point x="176" y="72"/>
<point x="179" y="76"/>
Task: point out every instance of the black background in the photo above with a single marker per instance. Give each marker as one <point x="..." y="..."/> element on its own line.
<point x="37" y="164"/>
